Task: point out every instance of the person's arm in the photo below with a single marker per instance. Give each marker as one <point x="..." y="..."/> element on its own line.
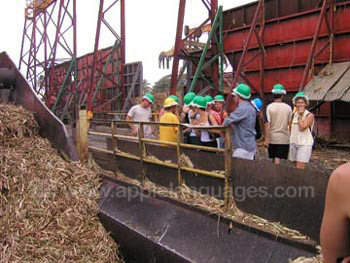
<point x="213" y="122"/>
<point x="132" y="127"/>
<point x="267" y="127"/>
<point x="304" y="124"/>
<point x="335" y="223"/>
<point x="129" y="117"/>
<point x="235" y="117"/>
<point x="175" y="120"/>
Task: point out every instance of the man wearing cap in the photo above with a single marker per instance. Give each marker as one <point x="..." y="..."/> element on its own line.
<point x="177" y="112"/>
<point x="168" y="133"/>
<point x="141" y="112"/>
<point x="278" y="116"/>
<point x="243" y="120"/>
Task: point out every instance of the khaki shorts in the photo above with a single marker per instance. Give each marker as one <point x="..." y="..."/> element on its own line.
<point x="243" y="154"/>
<point x="300" y="153"/>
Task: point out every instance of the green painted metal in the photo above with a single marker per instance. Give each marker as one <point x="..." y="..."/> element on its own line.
<point x="217" y="29"/>
<point x="64" y="83"/>
<point x="109" y="61"/>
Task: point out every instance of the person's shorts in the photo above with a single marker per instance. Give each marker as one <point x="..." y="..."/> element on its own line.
<point x="278" y="151"/>
<point x="300" y="153"/>
<point x="210" y="144"/>
<point x="243" y="154"/>
<point x="193" y="140"/>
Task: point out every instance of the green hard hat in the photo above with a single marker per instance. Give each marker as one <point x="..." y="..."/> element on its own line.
<point x="300" y="95"/>
<point x="176" y="98"/>
<point x="278" y="89"/>
<point x="219" y="98"/>
<point x="243" y="91"/>
<point x="189" y="98"/>
<point x="209" y="100"/>
<point x="200" y="102"/>
<point x="149" y="97"/>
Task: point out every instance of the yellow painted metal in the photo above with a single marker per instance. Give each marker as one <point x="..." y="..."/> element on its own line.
<point x="160" y="163"/>
<point x="82" y="135"/>
<point x="228" y="169"/>
<point x="178" y="152"/>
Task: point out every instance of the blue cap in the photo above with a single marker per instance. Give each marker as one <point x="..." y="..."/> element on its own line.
<point x="257" y="103"/>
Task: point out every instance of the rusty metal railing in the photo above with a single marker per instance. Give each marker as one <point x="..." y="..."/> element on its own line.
<point x="179" y="145"/>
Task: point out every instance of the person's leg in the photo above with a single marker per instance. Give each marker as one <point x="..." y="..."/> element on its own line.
<point x="303" y="156"/>
<point x="276" y="160"/>
<point x="300" y="165"/>
<point x="293" y="150"/>
<point x="272" y="153"/>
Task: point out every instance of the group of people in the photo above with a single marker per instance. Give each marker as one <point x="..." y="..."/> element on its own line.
<point x="287" y="132"/>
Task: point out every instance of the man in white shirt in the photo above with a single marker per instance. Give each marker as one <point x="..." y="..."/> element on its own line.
<point x="278" y="115"/>
<point x="141" y="112"/>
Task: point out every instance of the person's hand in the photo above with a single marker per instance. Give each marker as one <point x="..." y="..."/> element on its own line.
<point x="266" y="143"/>
<point x="346" y="260"/>
<point x="300" y="110"/>
<point x="134" y="131"/>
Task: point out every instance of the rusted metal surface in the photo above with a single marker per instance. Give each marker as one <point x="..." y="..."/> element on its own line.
<point x="51" y="126"/>
<point x="7" y="78"/>
<point x="177" y="47"/>
<point x="151" y="228"/>
<point x="287" y="41"/>
<point x="303" y="214"/>
<point x="166" y="176"/>
<point x="283" y="194"/>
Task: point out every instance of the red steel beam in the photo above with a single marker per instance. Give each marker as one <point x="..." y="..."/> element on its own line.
<point x="214" y="50"/>
<point x="93" y="66"/>
<point x="288" y="30"/>
<point x="239" y="67"/>
<point x="123" y="45"/>
<point x="177" y="48"/>
<point x="310" y="60"/>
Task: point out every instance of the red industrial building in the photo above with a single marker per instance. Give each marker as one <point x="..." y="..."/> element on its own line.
<point x="296" y="43"/>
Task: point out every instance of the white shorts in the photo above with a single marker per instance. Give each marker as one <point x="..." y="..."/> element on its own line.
<point x="243" y="154"/>
<point x="300" y="153"/>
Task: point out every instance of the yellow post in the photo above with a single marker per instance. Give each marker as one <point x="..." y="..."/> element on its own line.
<point x="178" y="152"/>
<point x="228" y="168"/>
<point x="143" y="153"/>
<point x="82" y="135"/>
<point x="115" y="147"/>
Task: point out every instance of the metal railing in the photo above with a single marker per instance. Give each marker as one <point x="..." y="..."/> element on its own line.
<point x="179" y="145"/>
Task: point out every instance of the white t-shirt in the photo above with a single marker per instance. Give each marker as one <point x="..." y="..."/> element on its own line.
<point x="301" y="137"/>
<point x="139" y="113"/>
<point x="279" y="115"/>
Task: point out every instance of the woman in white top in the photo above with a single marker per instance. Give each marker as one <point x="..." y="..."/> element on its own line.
<point x="301" y="139"/>
<point x="206" y="120"/>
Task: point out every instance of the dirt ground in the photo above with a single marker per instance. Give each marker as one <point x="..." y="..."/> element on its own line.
<point x="323" y="157"/>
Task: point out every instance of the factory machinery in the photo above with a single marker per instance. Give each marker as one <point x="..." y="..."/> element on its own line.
<point x="302" y="44"/>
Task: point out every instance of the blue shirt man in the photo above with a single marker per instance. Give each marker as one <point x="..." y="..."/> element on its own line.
<point x="243" y="120"/>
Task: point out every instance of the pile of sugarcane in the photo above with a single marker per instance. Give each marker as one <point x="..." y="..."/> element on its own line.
<point x="48" y="207"/>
